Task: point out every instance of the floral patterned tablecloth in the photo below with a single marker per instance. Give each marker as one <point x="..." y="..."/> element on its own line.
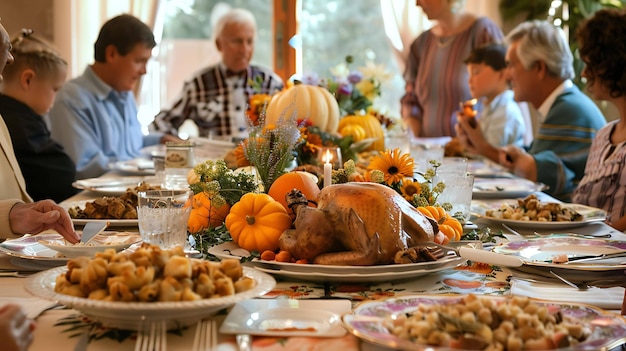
<point x="476" y="278"/>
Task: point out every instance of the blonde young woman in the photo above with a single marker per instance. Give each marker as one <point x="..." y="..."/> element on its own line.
<point x="28" y="91"/>
<point x="435" y="75"/>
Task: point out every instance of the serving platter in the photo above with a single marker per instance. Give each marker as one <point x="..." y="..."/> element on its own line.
<point x="83" y="221"/>
<point x="589" y="214"/>
<point x="112" y="186"/>
<point x="366" y="321"/>
<point x="328" y="273"/>
<point x="137" y="166"/>
<point x="132" y="315"/>
<point x="504" y="188"/>
<point x="287" y="317"/>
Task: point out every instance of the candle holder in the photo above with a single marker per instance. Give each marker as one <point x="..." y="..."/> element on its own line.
<point x="330" y="154"/>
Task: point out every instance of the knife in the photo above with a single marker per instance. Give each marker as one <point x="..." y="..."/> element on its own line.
<point x="91" y="229"/>
<point x="589" y="258"/>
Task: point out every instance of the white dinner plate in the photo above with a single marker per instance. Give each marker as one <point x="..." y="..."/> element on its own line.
<point x="590" y="215"/>
<point x="504" y="188"/>
<point x="28" y="247"/>
<point x="287" y="317"/>
<point x="327" y="273"/>
<point x="106" y="240"/>
<point x="83" y="221"/>
<point x="137" y="166"/>
<point x="367" y="321"/>
<point x="484" y="168"/>
<point x="112" y="186"/>
<point x="130" y="315"/>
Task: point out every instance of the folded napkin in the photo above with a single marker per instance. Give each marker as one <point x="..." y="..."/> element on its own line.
<point x="605" y="298"/>
<point x="33" y="306"/>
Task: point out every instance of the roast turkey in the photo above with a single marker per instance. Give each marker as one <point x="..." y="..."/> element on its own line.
<point x="355" y="224"/>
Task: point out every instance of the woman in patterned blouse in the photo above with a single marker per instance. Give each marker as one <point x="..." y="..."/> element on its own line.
<point x="603" y="49"/>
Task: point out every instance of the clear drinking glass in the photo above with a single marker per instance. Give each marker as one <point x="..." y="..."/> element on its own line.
<point x="163" y="215"/>
<point x="458" y="192"/>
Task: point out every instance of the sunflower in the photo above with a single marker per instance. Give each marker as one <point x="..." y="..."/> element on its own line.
<point x="409" y="188"/>
<point x="394" y="164"/>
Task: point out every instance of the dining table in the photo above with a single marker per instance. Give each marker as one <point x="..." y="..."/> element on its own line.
<point x="62" y="328"/>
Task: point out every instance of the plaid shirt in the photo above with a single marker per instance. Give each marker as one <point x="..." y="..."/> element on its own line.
<point x="216" y="102"/>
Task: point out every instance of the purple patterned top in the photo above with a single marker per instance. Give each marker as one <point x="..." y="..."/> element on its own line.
<point x="436" y="72"/>
<point x="604" y="183"/>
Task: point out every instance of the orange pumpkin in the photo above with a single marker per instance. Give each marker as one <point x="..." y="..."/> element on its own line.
<point x="372" y="127"/>
<point x="257" y="221"/>
<point x="294" y="180"/>
<point x="204" y="215"/>
<point x="309" y="102"/>
<point x="448" y="225"/>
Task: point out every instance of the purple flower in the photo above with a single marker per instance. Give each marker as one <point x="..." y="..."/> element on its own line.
<point x="345" y="88"/>
<point x="311" y="78"/>
<point x="355" y="77"/>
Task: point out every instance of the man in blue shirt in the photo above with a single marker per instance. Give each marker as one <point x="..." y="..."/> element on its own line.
<point x="94" y="116"/>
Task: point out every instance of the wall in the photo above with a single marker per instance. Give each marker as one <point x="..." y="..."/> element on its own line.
<point x="33" y="14"/>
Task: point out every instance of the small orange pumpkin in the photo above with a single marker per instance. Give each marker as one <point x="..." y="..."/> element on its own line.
<point x="204" y="215"/>
<point x="448" y="225"/>
<point x="290" y="180"/>
<point x="256" y="222"/>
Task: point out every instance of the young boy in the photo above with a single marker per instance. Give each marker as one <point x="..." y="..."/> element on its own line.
<point x="28" y="91"/>
<point x="501" y="121"/>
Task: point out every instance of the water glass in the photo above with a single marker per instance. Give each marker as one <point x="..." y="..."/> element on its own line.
<point x="163" y="216"/>
<point x="422" y="154"/>
<point x="457" y="192"/>
<point x="453" y="164"/>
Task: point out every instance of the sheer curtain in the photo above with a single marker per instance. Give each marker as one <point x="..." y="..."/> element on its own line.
<point x="403" y="21"/>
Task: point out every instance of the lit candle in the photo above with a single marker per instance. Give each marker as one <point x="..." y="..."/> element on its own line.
<point x="328" y="167"/>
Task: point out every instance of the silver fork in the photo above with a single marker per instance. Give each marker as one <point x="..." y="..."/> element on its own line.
<point x="153" y="338"/>
<point x="206" y="336"/>
<point x="579" y="286"/>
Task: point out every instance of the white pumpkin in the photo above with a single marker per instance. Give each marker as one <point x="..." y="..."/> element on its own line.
<point x="309" y="102"/>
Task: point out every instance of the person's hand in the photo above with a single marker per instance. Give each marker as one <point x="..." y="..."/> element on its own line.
<point x="35" y="217"/>
<point x="166" y="138"/>
<point x="521" y="163"/>
<point x="473" y="139"/>
<point x="16" y="330"/>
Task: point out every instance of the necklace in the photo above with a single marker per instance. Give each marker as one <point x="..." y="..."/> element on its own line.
<point x="445" y="41"/>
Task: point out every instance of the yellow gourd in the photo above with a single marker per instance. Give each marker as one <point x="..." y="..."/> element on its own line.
<point x="309" y="102"/>
<point x="372" y="127"/>
<point x="448" y="225"/>
<point x="256" y="222"/>
<point x="357" y="132"/>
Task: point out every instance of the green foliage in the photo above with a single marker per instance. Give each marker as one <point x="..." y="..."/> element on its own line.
<point x="221" y="183"/>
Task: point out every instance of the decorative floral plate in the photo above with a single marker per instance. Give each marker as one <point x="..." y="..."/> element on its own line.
<point x="366" y="321"/>
<point x="590" y="215"/>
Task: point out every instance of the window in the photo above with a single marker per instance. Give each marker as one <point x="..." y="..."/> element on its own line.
<point x="328" y="32"/>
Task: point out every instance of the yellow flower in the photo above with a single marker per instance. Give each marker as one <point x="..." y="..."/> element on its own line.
<point x="376" y="72"/>
<point x="410" y="188"/>
<point x="367" y="89"/>
<point x="394" y="164"/>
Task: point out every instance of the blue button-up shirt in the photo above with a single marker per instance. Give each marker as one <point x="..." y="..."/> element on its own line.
<point x="96" y="124"/>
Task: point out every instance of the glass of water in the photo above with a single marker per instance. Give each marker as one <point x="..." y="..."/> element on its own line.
<point x="457" y="192"/>
<point x="162" y="217"/>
